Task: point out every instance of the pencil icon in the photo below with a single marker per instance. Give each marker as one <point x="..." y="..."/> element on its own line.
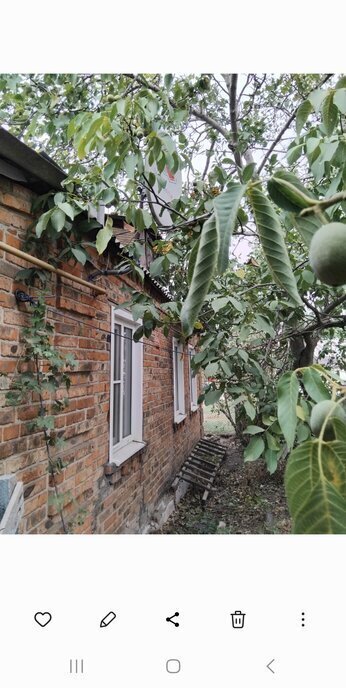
<point x="107" y="619"/>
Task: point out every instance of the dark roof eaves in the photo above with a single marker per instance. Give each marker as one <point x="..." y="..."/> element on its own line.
<point x="45" y="171"/>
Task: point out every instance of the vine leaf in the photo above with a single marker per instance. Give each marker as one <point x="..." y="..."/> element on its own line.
<point x="272" y="240"/>
<point x="202" y="274"/>
<point x="288" y="391"/>
<point x="226" y="207"/>
<point x="315" y="482"/>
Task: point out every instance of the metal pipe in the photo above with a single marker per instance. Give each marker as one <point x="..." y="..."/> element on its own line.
<point x="51" y="268"/>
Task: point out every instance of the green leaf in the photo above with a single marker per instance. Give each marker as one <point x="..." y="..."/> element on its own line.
<point x="307" y="226"/>
<point x="157" y="266"/>
<point x="138" y="334"/>
<point x="294" y="153"/>
<point x="67" y="209"/>
<point x="192" y="261"/>
<point x="226" y="368"/>
<point x="130" y="165"/>
<point x="226" y="207"/>
<point x="271" y="458"/>
<point x="254" y="449"/>
<point x="248" y="171"/>
<point x="243" y="355"/>
<point x="58" y="219"/>
<point x="300" y="412"/>
<point x="314" y="385"/>
<point x="288" y="192"/>
<point x="108" y="196"/>
<point x="211" y="369"/>
<point x="147" y="218"/>
<point x="79" y="254"/>
<point x="204" y="269"/>
<point x="315" y="484"/>
<point x="43" y="222"/>
<point x="103" y="237"/>
<point x="237" y="304"/>
<point x="220" y="303"/>
<point x="288" y="391"/>
<point x="329" y="114"/>
<point x="272" y="441"/>
<point x="253" y="430"/>
<point x="250" y="409"/>
<point x="212" y="396"/>
<point x="168" y="80"/>
<point x="328" y="151"/>
<point x="199" y="357"/>
<point x="272" y="240"/>
<point x="340" y="100"/>
<point x="341" y="83"/>
<point x="263" y="325"/>
<point x="303" y="113"/>
<point x="317" y="97"/>
<point x="303" y="432"/>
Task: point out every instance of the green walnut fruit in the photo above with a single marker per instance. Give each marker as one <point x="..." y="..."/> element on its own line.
<point x="203" y="84"/>
<point x="320" y="412"/>
<point x="328" y="254"/>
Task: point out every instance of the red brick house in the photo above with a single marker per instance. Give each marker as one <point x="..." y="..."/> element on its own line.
<point x="132" y="416"/>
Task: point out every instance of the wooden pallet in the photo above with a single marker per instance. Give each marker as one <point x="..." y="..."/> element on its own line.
<point x="201" y="466"/>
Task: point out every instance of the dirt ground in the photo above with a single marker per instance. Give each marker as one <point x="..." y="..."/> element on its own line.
<point x="245" y="499"/>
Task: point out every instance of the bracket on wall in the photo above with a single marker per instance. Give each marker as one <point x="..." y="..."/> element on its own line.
<point x="22" y="297"/>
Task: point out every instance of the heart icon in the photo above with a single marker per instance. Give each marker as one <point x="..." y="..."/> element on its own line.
<point x="43" y="618"/>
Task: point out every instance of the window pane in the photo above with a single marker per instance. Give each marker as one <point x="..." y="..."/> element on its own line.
<point x="127" y="382"/>
<point x="116" y="413"/>
<point x="116" y="353"/>
<point x="176" y="377"/>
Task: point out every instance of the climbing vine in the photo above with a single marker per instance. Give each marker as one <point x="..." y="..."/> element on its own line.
<point x="44" y="372"/>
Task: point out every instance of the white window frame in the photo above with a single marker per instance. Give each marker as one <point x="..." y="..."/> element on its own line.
<point x="178" y="381"/>
<point x="193" y="382"/>
<point x="127" y="446"/>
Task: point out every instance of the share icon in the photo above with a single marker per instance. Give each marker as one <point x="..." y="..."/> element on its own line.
<point x="169" y="619"/>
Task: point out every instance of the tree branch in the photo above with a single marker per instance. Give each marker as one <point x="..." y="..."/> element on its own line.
<point x="209" y="154"/>
<point x="286" y="126"/>
<point x="335" y="304"/>
<point x="232" y="82"/>
<point x="326" y="203"/>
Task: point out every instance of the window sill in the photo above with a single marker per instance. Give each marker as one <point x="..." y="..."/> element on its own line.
<point x="179" y="418"/>
<point x="194" y="409"/>
<point x="120" y="456"/>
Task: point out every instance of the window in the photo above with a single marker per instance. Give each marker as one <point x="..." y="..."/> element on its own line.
<point x="193" y="382"/>
<point x="126" y="406"/>
<point x="178" y="380"/>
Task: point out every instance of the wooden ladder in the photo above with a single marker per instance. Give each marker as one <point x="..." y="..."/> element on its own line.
<point x="201" y="466"/>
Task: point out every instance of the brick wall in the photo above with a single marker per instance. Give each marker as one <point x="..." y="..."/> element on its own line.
<point x="124" y="500"/>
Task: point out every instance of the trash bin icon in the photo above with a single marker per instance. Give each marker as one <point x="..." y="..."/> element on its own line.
<point x="238" y="619"/>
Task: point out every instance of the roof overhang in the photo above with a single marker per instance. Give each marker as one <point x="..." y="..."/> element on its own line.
<point x="26" y="166"/>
